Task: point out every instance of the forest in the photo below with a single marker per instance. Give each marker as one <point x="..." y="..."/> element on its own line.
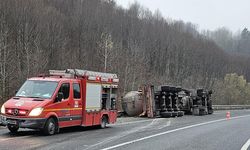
<point x="141" y="46"/>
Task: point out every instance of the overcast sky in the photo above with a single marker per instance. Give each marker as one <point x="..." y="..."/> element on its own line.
<point x="207" y="14"/>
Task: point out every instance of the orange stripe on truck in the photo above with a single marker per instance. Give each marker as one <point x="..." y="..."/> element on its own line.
<point x="62" y="109"/>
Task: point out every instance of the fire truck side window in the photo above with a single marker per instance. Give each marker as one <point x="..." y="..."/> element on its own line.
<point x="77" y="93"/>
<point x="65" y="90"/>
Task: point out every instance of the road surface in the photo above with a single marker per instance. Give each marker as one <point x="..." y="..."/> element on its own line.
<point x="188" y="132"/>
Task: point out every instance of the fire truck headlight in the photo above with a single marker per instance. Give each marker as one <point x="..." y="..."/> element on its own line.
<point x="36" y="111"/>
<point x="2" y="109"/>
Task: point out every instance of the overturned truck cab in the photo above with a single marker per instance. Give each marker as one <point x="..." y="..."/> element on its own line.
<point x="202" y="103"/>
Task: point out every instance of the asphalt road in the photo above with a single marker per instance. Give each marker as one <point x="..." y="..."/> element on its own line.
<point x="188" y="132"/>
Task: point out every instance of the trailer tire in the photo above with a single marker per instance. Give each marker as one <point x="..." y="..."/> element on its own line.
<point x="50" y="127"/>
<point x="13" y="128"/>
<point x="180" y="113"/>
<point x="166" y="114"/>
<point x="104" y="122"/>
<point x="210" y="111"/>
<point x="174" y="114"/>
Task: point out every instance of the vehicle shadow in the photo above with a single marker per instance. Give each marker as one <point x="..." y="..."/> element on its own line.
<point x="34" y="133"/>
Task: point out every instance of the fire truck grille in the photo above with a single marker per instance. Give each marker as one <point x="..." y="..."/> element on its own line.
<point x="16" y="112"/>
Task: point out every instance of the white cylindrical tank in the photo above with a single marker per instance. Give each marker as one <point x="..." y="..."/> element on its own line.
<point x="132" y="103"/>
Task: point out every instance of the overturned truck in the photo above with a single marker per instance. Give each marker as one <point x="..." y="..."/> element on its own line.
<point x="195" y="102"/>
<point x="167" y="101"/>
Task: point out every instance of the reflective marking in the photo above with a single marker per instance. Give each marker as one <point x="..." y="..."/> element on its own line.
<point x="246" y="145"/>
<point x="70" y="118"/>
<point x="63" y="109"/>
<point x="91" y="107"/>
<point x="170" y="131"/>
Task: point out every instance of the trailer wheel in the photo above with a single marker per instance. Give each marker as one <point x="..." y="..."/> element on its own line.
<point x="174" y="114"/>
<point x="180" y="113"/>
<point x="13" y="128"/>
<point x="210" y="111"/>
<point x="104" y="122"/>
<point x="166" y="114"/>
<point x="50" y="127"/>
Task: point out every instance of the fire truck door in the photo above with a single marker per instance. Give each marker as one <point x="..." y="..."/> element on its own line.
<point x="76" y="111"/>
<point x="62" y="107"/>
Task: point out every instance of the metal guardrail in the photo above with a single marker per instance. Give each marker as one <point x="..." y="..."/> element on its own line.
<point x="230" y="107"/>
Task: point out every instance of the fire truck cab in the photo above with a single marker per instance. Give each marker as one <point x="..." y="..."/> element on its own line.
<point x="64" y="98"/>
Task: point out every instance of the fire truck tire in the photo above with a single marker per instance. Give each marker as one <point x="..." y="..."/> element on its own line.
<point x="104" y="122"/>
<point x="50" y="127"/>
<point x="13" y="128"/>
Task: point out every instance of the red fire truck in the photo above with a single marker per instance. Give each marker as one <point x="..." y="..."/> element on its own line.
<point x="63" y="98"/>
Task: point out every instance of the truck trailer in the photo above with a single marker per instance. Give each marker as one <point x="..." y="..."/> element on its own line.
<point x="167" y="101"/>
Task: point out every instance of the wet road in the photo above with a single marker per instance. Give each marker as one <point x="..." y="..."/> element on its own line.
<point x="188" y="132"/>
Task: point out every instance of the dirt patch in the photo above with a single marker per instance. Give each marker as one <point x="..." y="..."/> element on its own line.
<point x="130" y="119"/>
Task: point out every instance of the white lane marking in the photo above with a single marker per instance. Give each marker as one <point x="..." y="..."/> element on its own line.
<point x="170" y="131"/>
<point x="133" y="122"/>
<point x="217" y="113"/>
<point x="168" y="124"/>
<point x="125" y="133"/>
<point x="246" y="145"/>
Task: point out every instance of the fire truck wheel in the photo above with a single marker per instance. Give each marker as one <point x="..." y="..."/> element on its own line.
<point x="13" y="128"/>
<point x="104" y="122"/>
<point x="50" y="127"/>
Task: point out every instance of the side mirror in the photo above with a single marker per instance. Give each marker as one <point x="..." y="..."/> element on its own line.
<point x="59" y="97"/>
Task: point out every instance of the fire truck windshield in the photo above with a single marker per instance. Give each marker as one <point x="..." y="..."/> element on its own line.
<point x="37" y="89"/>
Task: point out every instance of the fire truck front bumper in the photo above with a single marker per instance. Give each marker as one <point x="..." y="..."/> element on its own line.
<point x="31" y="123"/>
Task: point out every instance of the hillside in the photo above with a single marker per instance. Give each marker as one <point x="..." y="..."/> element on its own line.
<point x="235" y="43"/>
<point x="140" y="46"/>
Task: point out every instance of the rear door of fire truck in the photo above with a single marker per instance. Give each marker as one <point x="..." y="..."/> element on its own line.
<point x="93" y="103"/>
